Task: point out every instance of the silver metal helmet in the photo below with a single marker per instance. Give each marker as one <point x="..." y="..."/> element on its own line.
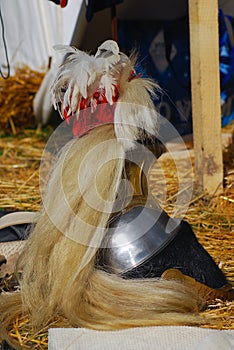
<point x="134" y="236"/>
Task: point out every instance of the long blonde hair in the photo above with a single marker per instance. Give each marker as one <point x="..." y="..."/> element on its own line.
<point x="59" y="279"/>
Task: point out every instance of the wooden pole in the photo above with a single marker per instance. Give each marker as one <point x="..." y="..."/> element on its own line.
<point x="205" y="78"/>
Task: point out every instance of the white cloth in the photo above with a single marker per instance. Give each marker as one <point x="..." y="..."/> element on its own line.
<point x="7" y="249"/>
<point x="32" y="27"/>
<point x="142" y="338"/>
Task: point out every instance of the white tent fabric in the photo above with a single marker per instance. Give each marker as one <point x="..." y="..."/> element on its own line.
<point x="142" y="338"/>
<point x="32" y="28"/>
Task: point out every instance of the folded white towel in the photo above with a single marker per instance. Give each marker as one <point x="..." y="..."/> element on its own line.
<point x="142" y="338"/>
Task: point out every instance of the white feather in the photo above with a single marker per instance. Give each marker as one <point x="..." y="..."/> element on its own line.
<point x="109" y="46"/>
<point x="75" y="99"/>
<point x="109" y="50"/>
<point x="66" y="98"/>
<point x="107" y="82"/>
<point x="81" y="75"/>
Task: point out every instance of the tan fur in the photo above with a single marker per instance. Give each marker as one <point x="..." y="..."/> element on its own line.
<point x="135" y="109"/>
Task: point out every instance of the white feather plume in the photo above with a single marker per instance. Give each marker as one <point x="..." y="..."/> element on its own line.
<point x="82" y="74"/>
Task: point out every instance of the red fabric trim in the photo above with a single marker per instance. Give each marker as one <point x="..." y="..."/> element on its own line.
<point x="63" y="3"/>
<point x="94" y="111"/>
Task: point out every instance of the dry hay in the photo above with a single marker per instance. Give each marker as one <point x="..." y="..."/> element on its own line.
<point x="212" y="218"/>
<point x="16" y="99"/>
<point x="20" y="158"/>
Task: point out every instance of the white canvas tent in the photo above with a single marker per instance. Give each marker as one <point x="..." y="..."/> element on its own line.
<point x="32" y="27"/>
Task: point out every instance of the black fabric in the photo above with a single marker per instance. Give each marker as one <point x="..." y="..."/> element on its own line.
<point x="56" y="1"/>
<point x="95" y="6"/>
<point x="6" y="346"/>
<point x="187" y="255"/>
<point x="13" y="233"/>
